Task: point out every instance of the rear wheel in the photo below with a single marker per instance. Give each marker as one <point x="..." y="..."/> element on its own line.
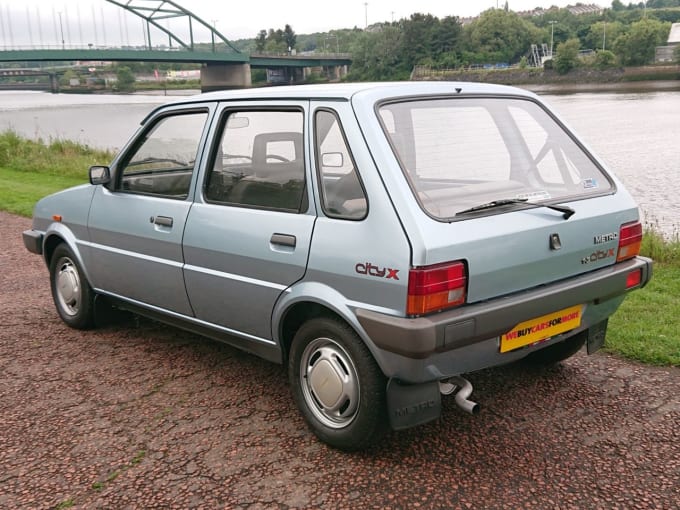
<point x="72" y="294"/>
<point x="337" y="385"/>
<point x="558" y="352"/>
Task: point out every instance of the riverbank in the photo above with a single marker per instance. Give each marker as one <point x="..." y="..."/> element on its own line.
<point x="583" y="79"/>
<point x="645" y="329"/>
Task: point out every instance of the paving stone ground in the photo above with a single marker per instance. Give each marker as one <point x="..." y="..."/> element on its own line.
<point x="140" y="415"/>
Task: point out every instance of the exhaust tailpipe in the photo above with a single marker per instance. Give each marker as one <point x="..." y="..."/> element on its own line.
<point x="465" y="390"/>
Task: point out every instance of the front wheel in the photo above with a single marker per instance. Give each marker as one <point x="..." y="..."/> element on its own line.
<point x="72" y="294"/>
<point x="337" y="385"/>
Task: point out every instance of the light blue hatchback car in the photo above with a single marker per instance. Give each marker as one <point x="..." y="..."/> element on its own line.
<point x="379" y="239"/>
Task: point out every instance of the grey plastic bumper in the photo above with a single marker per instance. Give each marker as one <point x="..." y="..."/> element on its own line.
<point x="419" y="338"/>
<point x="33" y="241"/>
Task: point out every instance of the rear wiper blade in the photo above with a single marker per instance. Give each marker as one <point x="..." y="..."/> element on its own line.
<point x="566" y="211"/>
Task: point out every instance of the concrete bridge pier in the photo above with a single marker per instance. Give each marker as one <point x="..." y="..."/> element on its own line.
<point x="222" y="76"/>
<point x="54" y="83"/>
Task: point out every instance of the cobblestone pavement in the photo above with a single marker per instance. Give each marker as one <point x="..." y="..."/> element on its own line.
<point x="140" y="415"/>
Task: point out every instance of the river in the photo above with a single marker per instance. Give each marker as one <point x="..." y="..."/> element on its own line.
<point x="636" y="133"/>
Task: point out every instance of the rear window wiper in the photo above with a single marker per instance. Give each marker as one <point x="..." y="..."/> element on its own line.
<point x="566" y="211"/>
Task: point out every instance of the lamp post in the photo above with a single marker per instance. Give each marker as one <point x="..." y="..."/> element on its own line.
<point x="604" y="36"/>
<point x="552" y="36"/>
<point x="61" y="28"/>
<point x="365" y="14"/>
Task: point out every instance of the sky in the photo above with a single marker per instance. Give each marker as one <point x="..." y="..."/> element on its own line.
<point x="100" y="23"/>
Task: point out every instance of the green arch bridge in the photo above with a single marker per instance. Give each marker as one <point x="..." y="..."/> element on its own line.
<point x="223" y="65"/>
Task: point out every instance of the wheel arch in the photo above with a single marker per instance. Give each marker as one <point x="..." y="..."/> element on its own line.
<point x="308" y="301"/>
<point x="57" y="234"/>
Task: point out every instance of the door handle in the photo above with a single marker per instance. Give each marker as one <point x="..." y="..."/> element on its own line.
<point x="163" y="221"/>
<point x="283" y="240"/>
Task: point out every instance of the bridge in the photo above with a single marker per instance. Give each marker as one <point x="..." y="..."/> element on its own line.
<point x="170" y="33"/>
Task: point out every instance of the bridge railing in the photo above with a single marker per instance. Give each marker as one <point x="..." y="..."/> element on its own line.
<point x="161" y="47"/>
<point x="310" y="55"/>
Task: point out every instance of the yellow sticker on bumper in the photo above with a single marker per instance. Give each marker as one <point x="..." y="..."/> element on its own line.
<point x="535" y="330"/>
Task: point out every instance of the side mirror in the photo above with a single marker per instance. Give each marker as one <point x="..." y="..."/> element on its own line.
<point x="100" y="175"/>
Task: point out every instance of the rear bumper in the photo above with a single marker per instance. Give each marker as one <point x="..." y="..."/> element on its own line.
<point x="33" y="241"/>
<point x="466" y="338"/>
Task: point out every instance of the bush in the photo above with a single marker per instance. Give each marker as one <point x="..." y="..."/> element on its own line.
<point x="676" y="54"/>
<point x="125" y="79"/>
<point x="566" y="57"/>
<point x="605" y="59"/>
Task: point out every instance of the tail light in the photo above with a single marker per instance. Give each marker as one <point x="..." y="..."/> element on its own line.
<point x="434" y="288"/>
<point x="630" y="239"/>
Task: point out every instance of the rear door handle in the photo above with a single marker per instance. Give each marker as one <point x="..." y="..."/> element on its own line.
<point x="283" y="240"/>
<point x="163" y="221"/>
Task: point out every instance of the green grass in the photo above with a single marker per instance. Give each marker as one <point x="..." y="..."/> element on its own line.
<point x="19" y="191"/>
<point x="646" y="327"/>
<point x="29" y="170"/>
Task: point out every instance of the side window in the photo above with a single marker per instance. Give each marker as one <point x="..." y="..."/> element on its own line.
<point x="341" y="191"/>
<point x="163" y="162"/>
<point x="259" y="161"/>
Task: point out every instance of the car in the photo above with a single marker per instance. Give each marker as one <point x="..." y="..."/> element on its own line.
<point x="381" y="240"/>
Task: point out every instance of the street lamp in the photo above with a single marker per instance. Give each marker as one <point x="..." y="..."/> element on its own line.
<point x="366" y="14"/>
<point x="604" y="36"/>
<point x="552" y="36"/>
<point x="61" y="28"/>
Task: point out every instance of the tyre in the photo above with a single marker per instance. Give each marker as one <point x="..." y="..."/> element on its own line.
<point x="337" y="385"/>
<point x="71" y="292"/>
<point x="558" y="352"/>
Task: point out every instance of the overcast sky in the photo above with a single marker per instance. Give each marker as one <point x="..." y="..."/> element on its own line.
<point x="37" y="22"/>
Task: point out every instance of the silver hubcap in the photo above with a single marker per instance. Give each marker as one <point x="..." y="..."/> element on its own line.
<point x="68" y="286"/>
<point x="330" y="384"/>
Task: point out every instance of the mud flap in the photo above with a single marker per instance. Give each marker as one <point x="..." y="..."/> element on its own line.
<point x="410" y="405"/>
<point x="596" y="335"/>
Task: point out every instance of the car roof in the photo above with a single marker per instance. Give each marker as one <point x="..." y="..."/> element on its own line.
<point x="366" y="91"/>
<point x="347" y="90"/>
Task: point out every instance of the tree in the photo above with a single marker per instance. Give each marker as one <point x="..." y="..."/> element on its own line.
<point x="617" y="5"/>
<point x="637" y="47"/>
<point x="605" y="59"/>
<point x="289" y="37"/>
<point x="261" y="40"/>
<point x="567" y="56"/>
<point x="500" y="36"/>
<point x="374" y="56"/>
<point x="602" y="32"/>
<point x="125" y="80"/>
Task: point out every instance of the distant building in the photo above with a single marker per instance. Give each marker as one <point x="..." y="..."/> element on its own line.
<point x="577" y="10"/>
<point x="665" y="53"/>
<point x="580" y="9"/>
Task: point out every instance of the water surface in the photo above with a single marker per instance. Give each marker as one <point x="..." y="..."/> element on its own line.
<point x="636" y="133"/>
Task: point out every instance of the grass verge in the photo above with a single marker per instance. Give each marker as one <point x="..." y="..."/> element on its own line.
<point x="646" y="328"/>
<point x="29" y="170"/>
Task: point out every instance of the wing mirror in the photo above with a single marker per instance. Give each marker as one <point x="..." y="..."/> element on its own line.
<point x="100" y="175"/>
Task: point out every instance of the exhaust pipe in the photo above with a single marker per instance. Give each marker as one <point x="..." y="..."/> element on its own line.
<point x="462" y="395"/>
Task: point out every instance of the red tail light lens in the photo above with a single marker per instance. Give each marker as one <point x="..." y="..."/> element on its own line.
<point x="630" y="239"/>
<point x="434" y="288"/>
<point x="634" y="278"/>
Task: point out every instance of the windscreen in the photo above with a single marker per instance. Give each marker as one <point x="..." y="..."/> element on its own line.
<point x="460" y="153"/>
